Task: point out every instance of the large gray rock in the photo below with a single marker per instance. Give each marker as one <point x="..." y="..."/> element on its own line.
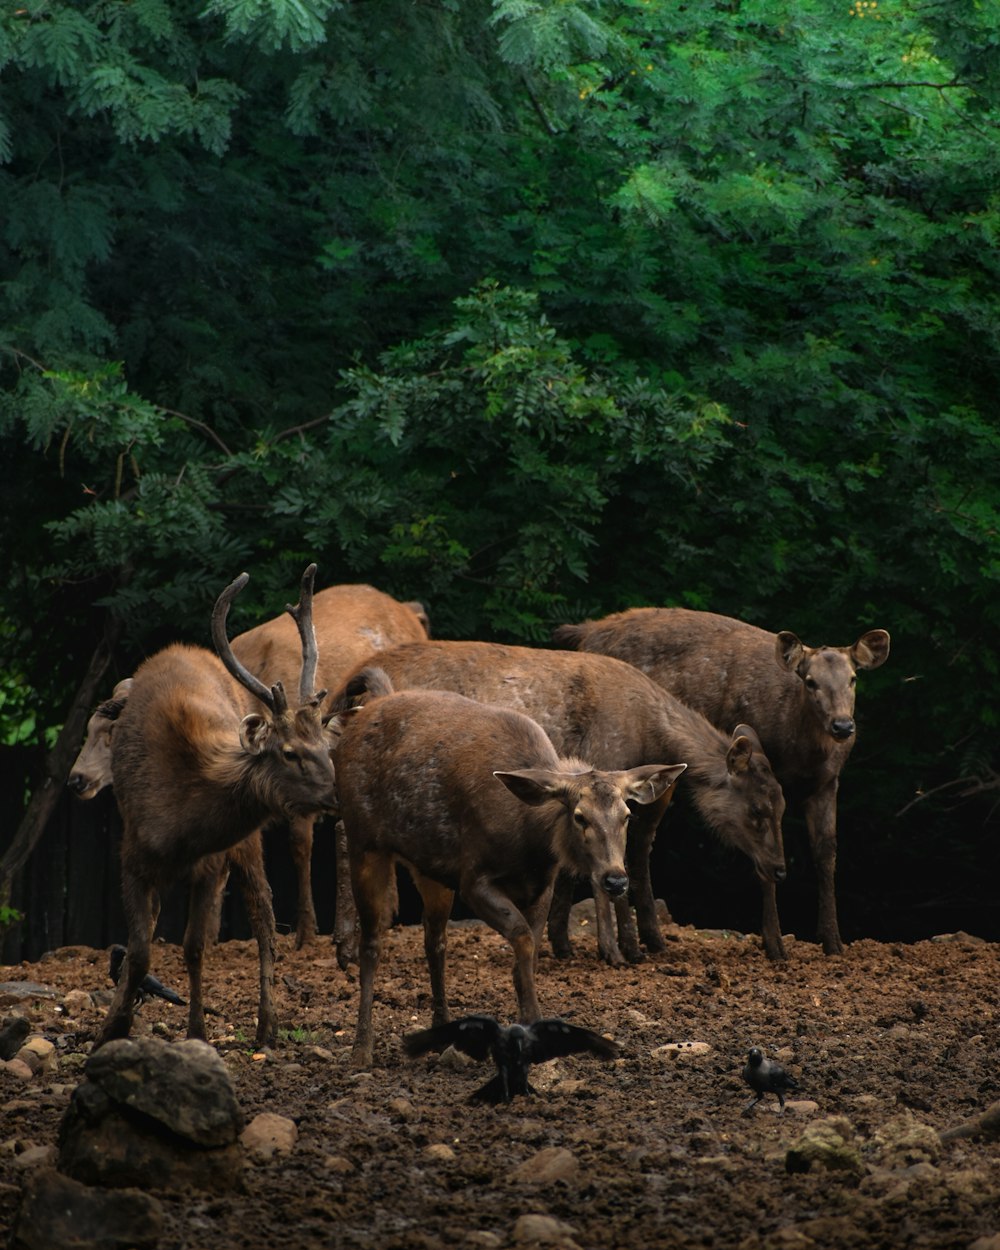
<point x="155" y="1114"/>
<point x="58" y="1211"/>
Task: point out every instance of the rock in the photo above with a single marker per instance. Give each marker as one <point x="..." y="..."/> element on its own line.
<point x="439" y="1152"/>
<point x="77" y="1003"/>
<point x="544" y="1229"/>
<point x="986" y="1243"/>
<point x="58" y="1211"/>
<point x="827" y="1144"/>
<point x="35" y="1156"/>
<point x="268" y="1134"/>
<point x="802" y="1106"/>
<point x="17" y="991"/>
<point x="18" y="1068"/>
<point x="903" y="1141"/>
<point x="12" y="1034"/>
<point x="671" y="1051"/>
<point x="40" y="1055"/>
<point x="402" y="1108"/>
<point x="454" y="1060"/>
<point x="555" y="1163"/>
<point x="153" y="1114"/>
<point x="337" y="1165"/>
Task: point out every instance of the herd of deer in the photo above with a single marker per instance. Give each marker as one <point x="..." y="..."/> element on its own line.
<point x="501" y="773"/>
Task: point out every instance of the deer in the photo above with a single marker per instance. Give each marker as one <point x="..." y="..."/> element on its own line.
<point x="474" y="800"/>
<point x="800" y="699"/>
<point x="352" y="622"/>
<point x="203" y="755"/>
<point x="597" y="708"/>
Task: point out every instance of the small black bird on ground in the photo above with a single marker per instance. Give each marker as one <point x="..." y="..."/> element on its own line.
<point x="514" y="1048"/>
<point x="766" y="1076"/>
<point x="150" y="987"/>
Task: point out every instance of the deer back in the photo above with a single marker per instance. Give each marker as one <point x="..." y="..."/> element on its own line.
<point x="351" y="623"/>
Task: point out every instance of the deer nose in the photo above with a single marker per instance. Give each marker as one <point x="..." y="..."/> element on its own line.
<point x="76" y="782"/>
<point x="780" y="874"/>
<point x="842" y="727"/>
<point x="615" y="884"/>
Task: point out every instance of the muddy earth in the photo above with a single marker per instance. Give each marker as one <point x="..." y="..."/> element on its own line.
<point x="888" y="1042"/>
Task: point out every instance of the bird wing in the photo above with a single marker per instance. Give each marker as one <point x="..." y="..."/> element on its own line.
<point x="152" y="986"/>
<point x="473" y="1035"/>
<point x="553" y="1037"/>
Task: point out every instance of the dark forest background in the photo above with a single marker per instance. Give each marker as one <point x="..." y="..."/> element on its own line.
<point x="531" y="310"/>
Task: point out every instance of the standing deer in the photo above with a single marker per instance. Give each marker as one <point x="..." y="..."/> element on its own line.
<point x="472" y="798"/>
<point x="352" y="622"/>
<point x="204" y="754"/>
<point x="600" y="709"/>
<point x="799" y="699"/>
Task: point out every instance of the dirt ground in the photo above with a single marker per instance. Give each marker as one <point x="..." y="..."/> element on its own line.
<point x="646" y="1151"/>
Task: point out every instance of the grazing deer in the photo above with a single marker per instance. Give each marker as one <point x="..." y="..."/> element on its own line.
<point x="352" y="623"/>
<point x="471" y="798"/>
<point x="204" y="754"/>
<point x="600" y="709"/>
<point x="799" y="699"/>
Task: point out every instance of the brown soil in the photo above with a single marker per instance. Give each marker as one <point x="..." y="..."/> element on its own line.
<point x="889" y="1037"/>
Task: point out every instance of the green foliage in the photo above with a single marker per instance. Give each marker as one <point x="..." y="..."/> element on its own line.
<point x="531" y="309"/>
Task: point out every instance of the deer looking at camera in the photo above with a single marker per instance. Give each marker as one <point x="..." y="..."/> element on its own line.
<point x="799" y="699"/>
<point x="203" y="755"/>
<point x="471" y="798"/>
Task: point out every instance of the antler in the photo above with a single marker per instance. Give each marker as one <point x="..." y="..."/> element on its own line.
<point x="301" y="614"/>
<point x="273" y="698"/>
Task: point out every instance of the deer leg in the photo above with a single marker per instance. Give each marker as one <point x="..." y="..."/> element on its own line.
<point x="821" y="823"/>
<point x="247" y="857"/>
<point x="491" y="905"/>
<point x="559" y="909"/>
<point x="642" y="831"/>
<point x="371" y="875"/>
<point x="208" y="878"/>
<point x="438" y="901"/>
<point x="345" y="924"/>
<point x="300" y="841"/>
<point x="140" y="903"/>
<point x="770" y="928"/>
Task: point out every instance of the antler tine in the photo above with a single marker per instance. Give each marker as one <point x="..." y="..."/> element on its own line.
<point x="273" y="698"/>
<point x="301" y="614"/>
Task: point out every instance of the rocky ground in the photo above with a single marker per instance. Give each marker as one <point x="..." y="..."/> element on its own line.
<point x="890" y="1044"/>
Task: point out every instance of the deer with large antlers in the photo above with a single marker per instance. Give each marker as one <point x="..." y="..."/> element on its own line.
<point x="203" y="755"/>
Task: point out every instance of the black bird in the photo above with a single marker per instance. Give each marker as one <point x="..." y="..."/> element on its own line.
<point x="514" y="1048"/>
<point x="766" y="1076"/>
<point x="150" y="986"/>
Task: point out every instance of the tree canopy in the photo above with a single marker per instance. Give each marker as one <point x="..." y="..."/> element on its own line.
<point x="532" y="309"/>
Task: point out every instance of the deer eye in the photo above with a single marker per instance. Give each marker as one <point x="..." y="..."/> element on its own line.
<point x="579" y="819"/>
<point x="289" y="754"/>
<point x="812" y="683"/>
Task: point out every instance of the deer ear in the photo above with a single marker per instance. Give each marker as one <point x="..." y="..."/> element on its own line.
<point x="533" y="785"/>
<point x="739" y="753"/>
<point x="871" y="650"/>
<point x="788" y="650"/>
<point x="256" y="732"/>
<point x="651" y="781"/>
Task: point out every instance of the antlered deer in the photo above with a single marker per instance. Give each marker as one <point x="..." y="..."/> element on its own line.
<point x="600" y="709"/>
<point x="352" y="623"/>
<point x="202" y="755"/>
<point x="799" y="699"/>
<point x="472" y="798"/>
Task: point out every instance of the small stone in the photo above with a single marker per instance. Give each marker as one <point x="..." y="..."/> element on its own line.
<point x="482" y="1237"/>
<point x="77" y="1003"/>
<point x="36" y="1156"/>
<point x="439" y="1152"/>
<point x="545" y="1229"/>
<point x="401" y="1107"/>
<point x="904" y="1140"/>
<point x="18" y="1068"/>
<point x="802" y="1106"/>
<point x="268" y="1134"/>
<point x="44" y="1053"/>
<point x="555" y="1163"/>
<point x="454" y="1060"/>
<point x="320" y="1052"/>
<point x="672" y="1051"/>
<point x="827" y="1143"/>
<point x="337" y="1165"/>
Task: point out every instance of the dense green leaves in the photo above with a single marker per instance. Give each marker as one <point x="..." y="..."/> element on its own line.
<point x="530" y="309"/>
